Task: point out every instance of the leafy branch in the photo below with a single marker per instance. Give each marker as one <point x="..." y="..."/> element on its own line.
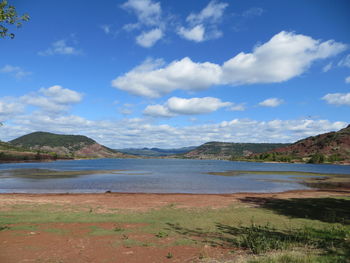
<point x="9" y="17"/>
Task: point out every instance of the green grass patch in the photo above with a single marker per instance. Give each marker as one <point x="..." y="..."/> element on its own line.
<point x="319" y="225"/>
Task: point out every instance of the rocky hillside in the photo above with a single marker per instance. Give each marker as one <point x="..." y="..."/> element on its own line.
<point x="226" y="150"/>
<point x="66" y="146"/>
<point x="327" y="147"/>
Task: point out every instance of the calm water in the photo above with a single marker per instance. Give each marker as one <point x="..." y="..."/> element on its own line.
<point x="160" y="176"/>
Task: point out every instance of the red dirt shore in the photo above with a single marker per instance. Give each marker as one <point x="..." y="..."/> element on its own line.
<point x="78" y="246"/>
<point x="144" y="201"/>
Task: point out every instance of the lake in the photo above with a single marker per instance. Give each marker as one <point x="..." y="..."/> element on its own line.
<point x="156" y="176"/>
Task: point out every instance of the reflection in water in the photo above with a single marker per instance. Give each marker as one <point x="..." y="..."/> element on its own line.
<point x="157" y="176"/>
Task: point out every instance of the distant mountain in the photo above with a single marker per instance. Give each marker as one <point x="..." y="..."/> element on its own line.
<point x="66" y="146"/>
<point x="155" y="152"/>
<point x="227" y="150"/>
<point x="327" y="147"/>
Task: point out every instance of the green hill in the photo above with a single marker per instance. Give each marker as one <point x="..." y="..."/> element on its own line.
<point x="40" y="139"/>
<point x="226" y="150"/>
<point x="66" y="146"/>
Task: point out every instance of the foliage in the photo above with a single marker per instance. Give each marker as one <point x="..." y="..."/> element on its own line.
<point x="317" y="158"/>
<point x="39" y="139"/>
<point x="9" y="17"/>
<point x="235" y="149"/>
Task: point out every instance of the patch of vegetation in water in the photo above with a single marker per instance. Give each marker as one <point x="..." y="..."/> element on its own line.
<point x="50" y="174"/>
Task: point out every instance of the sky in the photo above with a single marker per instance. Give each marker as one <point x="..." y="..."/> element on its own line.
<point x="175" y="73"/>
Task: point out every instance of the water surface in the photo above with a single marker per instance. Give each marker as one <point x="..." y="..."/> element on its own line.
<point x="156" y="176"/>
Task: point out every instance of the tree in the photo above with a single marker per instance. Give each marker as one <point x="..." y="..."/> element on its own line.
<point x="9" y="17"/>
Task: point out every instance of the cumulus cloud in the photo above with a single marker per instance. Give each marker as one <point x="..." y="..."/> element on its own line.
<point x="139" y="133"/>
<point x="286" y="55"/>
<point x="158" y="111"/>
<point x="148" y="39"/>
<point x="203" y="25"/>
<point x="213" y="13"/>
<point x="181" y="106"/>
<point x="60" y="47"/>
<point x="337" y="98"/>
<point x="271" y="102"/>
<point x="15" y="71"/>
<point x="53" y="99"/>
<point x="149" y="15"/>
<point x="151" y="81"/>
<point x="8" y="108"/>
<point x="147" y="11"/>
<point x="196" y="33"/>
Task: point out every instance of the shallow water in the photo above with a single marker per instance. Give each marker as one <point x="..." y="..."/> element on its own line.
<point x="156" y="176"/>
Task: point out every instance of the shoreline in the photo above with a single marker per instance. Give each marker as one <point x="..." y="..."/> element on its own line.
<point x="147" y="201"/>
<point x="162" y="157"/>
<point x="344" y="190"/>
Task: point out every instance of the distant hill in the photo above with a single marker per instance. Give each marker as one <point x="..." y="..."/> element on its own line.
<point x="155" y="152"/>
<point x="67" y="146"/>
<point x="226" y="150"/>
<point x="327" y="147"/>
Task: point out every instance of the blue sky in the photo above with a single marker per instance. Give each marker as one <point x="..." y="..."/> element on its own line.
<point x="144" y="73"/>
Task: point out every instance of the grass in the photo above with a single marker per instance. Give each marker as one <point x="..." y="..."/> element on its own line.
<point x="272" y="229"/>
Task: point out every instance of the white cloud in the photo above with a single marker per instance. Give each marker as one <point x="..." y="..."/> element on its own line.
<point x="62" y="95"/>
<point x="151" y="81"/>
<point x="158" y="111"/>
<point x="139" y="133"/>
<point x="60" y="47"/>
<point x="271" y="102"/>
<point x="286" y="55"/>
<point x="8" y="108"/>
<point x="181" y="106"/>
<point x="147" y="11"/>
<point x="337" y="98"/>
<point x="238" y="107"/>
<point x="16" y="71"/>
<point x="195" y="105"/>
<point x="213" y="13"/>
<point x="203" y="25"/>
<point x="148" y="39"/>
<point x="149" y="18"/>
<point x="328" y="67"/>
<point x="53" y="99"/>
<point x="345" y="62"/>
<point x="195" y="34"/>
<point x="347" y="79"/>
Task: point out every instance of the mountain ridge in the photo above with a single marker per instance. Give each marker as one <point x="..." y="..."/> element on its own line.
<point x="66" y="146"/>
<point x="326" y="147"/>
<point x="228" y="150"/>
